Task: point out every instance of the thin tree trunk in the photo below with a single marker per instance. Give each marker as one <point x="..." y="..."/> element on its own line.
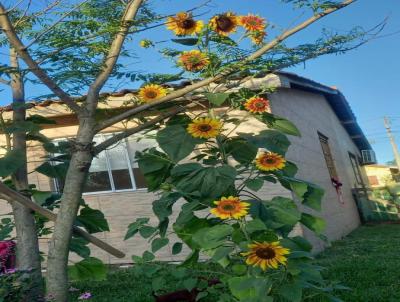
<point x="57" y="264"/>
<point x="28" y="256"/>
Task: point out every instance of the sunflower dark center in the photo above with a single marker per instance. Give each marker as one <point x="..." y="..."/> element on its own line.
<point x="259" y="104"/>
<point x="204" y="127"/>
<point x="224" y="23"/>
<point x="269" y="160"/>
<point x="265" y="253"/>
<point x="228" y="207"/>
<point x="188" y="23"/>
<point x="151" y="94"/>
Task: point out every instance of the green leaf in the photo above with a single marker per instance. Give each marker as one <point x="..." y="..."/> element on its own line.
<point x="239" y="269"/>
<point x="146" y="231"/>
<point x="216" y="98"/>
<point x="286" y="126"/>
<point x="148" y="256"/>
<point x="284" y="210"/>
<point x="315" y="224"/>
<point x="155" y="167"/>
<point x="58" y="171"/>
<point x="158" y="283"/>
<point x="271" y="140"/>
<point x="22" y="126"/>
<point x="176" y="142"/>
<point x="313" y="197"/>
<point x="248" y="288"/>
<point x="40" y="197"/>
<point x="255" y="225"/>
<point x="241" y="150"/>
<point x="134" y="227"/>
<point x="254" y="184"/>
<point x="186" y="41"/>
<point x="211" y="182"/>
<point x="93" y="220"/>
<point x="88" y="269"/>
<point x="79" y="246"/>
<point x="6" y="228"/>
<point x="162" y="207"/>
<point x="221" y="252"/>
<point x="212" y="237"/>
<point x="158" y="244"/>
<point x="40" y="119"/>
<point x="292" y="292"/>
<point x="177" y="248"/>
<point x="190" y="283"/>
<point x="11" y="162"/>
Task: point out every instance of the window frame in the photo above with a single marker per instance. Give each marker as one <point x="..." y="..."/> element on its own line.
<point x="355" y="164"/>
<point x="109" y="170"/>
<point x="328" y="156"/>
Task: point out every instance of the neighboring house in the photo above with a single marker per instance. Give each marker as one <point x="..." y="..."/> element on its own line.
<point x="329" y="152"/>
<point x="382" y="175"/>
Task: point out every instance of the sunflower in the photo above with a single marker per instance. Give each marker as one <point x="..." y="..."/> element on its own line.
<point x="182" y="24"/>
<point x="204" y="127"/>
<point x="193" y="60"/>
<point x="224" y="24"/>
<point x="270" y="161"/>
<point x="252" y="22"/>
<point x="230" y="207"/>
<point x="257" y="105"/>
<point x="257" y="37"/>
<point x="151" y="93"/>
<point x="265" y="254"/>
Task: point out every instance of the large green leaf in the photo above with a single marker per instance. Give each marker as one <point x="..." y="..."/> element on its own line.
<point x="162" y="207"/>
<point x="315" y="224"/>
<point x="186" y="231"/>
<point x="176" y="142"/>
<point x="292" y="291"/>
<point x="217" y="98"/>
<point x="79" y="246"/>
<point x="210" y="182"/>
<point x="213" y="237"/>
<point x="155" y="167"/>
<point x="58" y="171"/>
<point x="284" y="210"/>
<point x="250" y="289"/>
<point x="241" y="150"/>
<point x="271" y="140"/>
<point x="92" y="220"/>
<point x="92" y="269"/>
<point x="11" y="162"/>
<point x="286" y="126"/>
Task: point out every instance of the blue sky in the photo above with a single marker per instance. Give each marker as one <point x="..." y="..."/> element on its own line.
<point x="368" y="76"/>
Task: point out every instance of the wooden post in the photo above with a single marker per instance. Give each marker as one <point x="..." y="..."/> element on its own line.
<point x="12" y="196"/>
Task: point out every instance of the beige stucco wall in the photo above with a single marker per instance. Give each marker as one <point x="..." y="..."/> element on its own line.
<point x="310" y="112"/>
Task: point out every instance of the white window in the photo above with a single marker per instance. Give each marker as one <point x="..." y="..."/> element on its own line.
<point x="115" y="169"/>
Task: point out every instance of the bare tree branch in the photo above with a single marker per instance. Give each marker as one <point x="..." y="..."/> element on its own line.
<point x="181" y="92"/>
<point x="5" y="82"/>
<point x="15" y="41"/>
<point x="109" y="63"/>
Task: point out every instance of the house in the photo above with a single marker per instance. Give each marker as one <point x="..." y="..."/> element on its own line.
<point x="382" y="175"/>
<point x="329" y="153"/>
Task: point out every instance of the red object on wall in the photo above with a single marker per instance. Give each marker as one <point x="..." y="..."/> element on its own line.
<point x="7" y="255"/>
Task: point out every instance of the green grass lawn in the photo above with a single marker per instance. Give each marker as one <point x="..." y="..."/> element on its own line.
<point x="367" y="260"/>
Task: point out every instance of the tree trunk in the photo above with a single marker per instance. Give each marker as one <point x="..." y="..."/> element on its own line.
<point x="57" y="264"/>
<point x="28" y="256"/>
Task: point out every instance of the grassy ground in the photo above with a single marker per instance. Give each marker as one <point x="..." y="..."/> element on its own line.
<point x="367" y="261"/>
